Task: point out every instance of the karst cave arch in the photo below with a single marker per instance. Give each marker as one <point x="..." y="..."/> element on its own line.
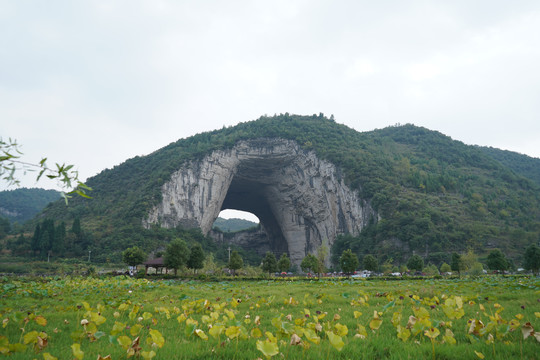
<point x="302" y="201"/>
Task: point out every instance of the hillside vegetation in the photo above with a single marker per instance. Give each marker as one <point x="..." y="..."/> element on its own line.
<point x="521" y="164"/>
<point x="233" y="225"/>
<point x="23" y="204"/>
<point x="434" y="195"/>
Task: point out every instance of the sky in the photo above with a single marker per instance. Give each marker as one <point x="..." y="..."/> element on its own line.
<point x="94" y="83"/>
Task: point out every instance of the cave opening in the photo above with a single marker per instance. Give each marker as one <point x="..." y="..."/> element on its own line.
<point x="249" y="195"/>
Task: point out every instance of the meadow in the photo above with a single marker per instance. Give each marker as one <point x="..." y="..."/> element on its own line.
<point x="491" y="317"/>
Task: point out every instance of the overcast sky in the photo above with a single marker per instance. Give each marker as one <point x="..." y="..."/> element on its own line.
<point x="93" y="83"/>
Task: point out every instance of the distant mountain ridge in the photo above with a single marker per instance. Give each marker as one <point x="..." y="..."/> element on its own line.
<point x="20" y="205"/>
<point x="523" y="165"/>
<point x="234" y="224"/>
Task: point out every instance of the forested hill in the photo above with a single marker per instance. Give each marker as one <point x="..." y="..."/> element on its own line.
<point x="23" y="204"/>
<point x="233" y="225"/>
<point x="521" y="164"/>
<point x="434" y="194"/>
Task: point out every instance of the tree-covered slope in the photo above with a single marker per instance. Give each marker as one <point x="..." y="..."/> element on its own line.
<point x="23" y="204"/>
<point x="232" y="225"/>
<point x="433" y="194"/>
<point x="521" y="164"/>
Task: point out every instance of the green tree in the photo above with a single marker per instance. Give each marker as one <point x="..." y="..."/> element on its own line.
<point x="370" y="263"/>
<point x="284" y="263"/>
<point x="210" y="265"/>
<point x="431" y="270"/>
<point x="236" y="262"/>
<point x="387" y="266"/>
<point x="415" y="263"/>
<point x="76" y="226"/>
<point x="309" y="263"/>
<point x="176" y="255"/>
<point x="403" y="269"/>
<point x="133" y="256"/>
<point x="445" y="268"/>
<point x="469" y="262"/>
<point x="44" y="238"/>
<point x="44" y="241"/>
<point x="497" y="261"/>
<point x="78" y="239"/>
<point x="5" y="227"/>
<point x="20" y="246"/>
<point x="269" y="263"/>
<point x="532" y="259"/>
<point x="322" y="254"/>
<point x="196" y="258"/>
<point x="49" y="236"/>
<point x="59" y="245"/>
<point x="36" y="238"/>
<point x="348" y="261"/>
<point x="456" y="264"/>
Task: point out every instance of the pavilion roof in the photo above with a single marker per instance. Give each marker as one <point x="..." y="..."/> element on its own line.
<point x="156" y="261"/>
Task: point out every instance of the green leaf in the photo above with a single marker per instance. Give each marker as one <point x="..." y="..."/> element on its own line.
<point x="30" y="337"/>
<point x="157" y="338"/>
<point x="17" y="347"/>
<point x="268" y="348"/>
<point x="335" y="340"/>
<point x="40" y="174"/>
<point x="216" y="330"/>
<point x="390" y="304"/>
<point x="118" y="327"/>
<point x="135" y="329"/>
<point x="77" y="352"/>
<point x="189" y="329"/>
<point x="124" y="341"/>
<point x="147" y="355"/>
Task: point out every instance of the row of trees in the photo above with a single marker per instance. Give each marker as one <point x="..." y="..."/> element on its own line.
<point x="468" y="262"/>
<point x="271" y="265"/>
<point x="51" y="239"/>
<point x="178" y="255"/>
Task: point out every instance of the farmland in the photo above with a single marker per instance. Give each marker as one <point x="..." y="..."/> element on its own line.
<point x="92" y="318"/>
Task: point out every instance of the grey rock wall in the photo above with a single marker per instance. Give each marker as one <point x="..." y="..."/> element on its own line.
<point x="302" y="201"/>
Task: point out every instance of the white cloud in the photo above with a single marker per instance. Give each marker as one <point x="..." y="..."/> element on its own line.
<point x="361" y="68"/>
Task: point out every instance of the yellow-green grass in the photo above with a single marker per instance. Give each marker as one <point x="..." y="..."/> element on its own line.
<point x="327" y="319"/>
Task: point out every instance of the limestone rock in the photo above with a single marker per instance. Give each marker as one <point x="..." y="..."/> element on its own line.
<point x="301" y="200"/>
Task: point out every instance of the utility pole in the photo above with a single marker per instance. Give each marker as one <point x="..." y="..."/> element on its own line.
<point x="89" y="252"/>
<point x="229" y="253"/>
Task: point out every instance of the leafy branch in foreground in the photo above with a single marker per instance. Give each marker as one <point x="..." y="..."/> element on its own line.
<point x="10" y="164"/>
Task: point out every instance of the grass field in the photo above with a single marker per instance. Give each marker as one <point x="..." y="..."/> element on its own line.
<point x="85" y="318"/>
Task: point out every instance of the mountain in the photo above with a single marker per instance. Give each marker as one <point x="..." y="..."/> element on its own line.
<point x="233" y="225"/>
<point x="433" y="194"/>
<point x="523" y="165"/>
<point x="20" y="205"/>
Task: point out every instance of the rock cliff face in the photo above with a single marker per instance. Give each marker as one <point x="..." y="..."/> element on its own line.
<point x="302" y="201"/>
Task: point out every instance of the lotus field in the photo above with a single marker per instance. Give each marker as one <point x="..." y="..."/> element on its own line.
<point x="123" y="318"/>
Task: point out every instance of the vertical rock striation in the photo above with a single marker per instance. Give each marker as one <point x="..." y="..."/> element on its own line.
<point x="301" y="200"/>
